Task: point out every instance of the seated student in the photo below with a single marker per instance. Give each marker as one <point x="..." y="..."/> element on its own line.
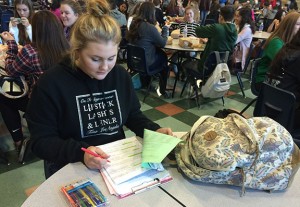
<point x="159" y="15"/>
<point x="189" y="22"/>
<point x="286" y="65"/>
<point x="221" y="37"/>
<point x="214" y="11"/>
<point x="246" y="28"/>
<point x="277" y="19"/>
<point x="70" y="11"/>
<point x="123" y="6"/>
<point x="283" y="34"/>
<point x="85" y="100"/>
<point x="143" y="32"/>
<point x="31" y="62"/>
<point x="55" y="8"/>
<point x="22" y="30"/>
<point x="268" y="13"/>
<point x="115" y="13"/>
<point x="190" y="25"/>
<point x="174" y="9"/>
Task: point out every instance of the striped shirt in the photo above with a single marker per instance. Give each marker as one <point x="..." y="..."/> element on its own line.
<point x="191" y="28"/>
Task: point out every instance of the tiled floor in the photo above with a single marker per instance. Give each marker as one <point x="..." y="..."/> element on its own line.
<point x="177" y="113"/>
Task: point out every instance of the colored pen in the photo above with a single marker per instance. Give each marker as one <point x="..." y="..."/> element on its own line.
<point x="93" y="153"/>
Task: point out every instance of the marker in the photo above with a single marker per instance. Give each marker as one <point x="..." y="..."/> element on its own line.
<point x="93" y="153"/>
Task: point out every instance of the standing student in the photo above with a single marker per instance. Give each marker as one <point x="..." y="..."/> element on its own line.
<point x="20" y="25"/>
<point x="282" y="35"/>
<point x="85" y="100"/>
<point x="30" y="62"/>
<point x="70" y="11"/>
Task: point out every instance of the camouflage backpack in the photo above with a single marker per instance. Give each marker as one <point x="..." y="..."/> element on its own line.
<point x="253" y="153"/>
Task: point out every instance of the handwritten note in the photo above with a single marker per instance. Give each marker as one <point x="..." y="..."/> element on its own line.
<point x="157" y="146"/>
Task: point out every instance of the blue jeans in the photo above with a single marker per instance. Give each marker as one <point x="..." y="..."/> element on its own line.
<point x="203" y="14"/>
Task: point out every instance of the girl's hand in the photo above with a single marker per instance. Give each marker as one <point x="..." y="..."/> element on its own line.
<point x="25" y="21"/>
<point x="167" y="131"/>
<point x="6" y="36"/>
<point x="14" y="21"/>
<point x="93" y="162"/>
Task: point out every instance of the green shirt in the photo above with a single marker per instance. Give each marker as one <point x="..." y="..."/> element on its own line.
<point x="221" y="37"/>
<point x="268" y="55"/>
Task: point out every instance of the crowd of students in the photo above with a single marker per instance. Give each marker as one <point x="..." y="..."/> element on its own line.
<point x="86" y="99"/>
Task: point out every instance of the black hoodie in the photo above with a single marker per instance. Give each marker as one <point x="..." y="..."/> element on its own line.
<point x="69" y="110"/>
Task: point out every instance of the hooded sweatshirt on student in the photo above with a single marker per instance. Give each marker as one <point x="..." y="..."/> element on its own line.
<point x="221" y="37"/>
<point x="119" y="16"/>
<point x="69" y="110"/>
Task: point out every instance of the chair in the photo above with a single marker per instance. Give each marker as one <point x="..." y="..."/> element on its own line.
<point x="277" y="104"/>
<point x="209" y="66"/>
<point x="122" y="54"/>
<point x="254" y="69"/>
<point x="136" y="61"/>
<point x="5" y="19"/>
<point x="239" y="74"/>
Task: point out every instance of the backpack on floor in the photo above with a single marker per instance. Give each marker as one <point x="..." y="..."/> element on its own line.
<point x="219" y="81"/>
<point x="255" y="153"/>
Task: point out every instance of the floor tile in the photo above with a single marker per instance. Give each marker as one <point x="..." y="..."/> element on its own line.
<point x="169" y="109"/>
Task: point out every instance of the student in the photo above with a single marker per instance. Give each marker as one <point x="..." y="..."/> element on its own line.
<point x="204" y="9"/>
<point x="221" y="37"/>
<point x="70" y="11"/>
<point x="55" y="8"/>
<point x="189" y="22"/>
<point x="142" y="32"/>
<point x="246" y="29"/>
<point x="283" y="34"/>
<point x="30" y="62"/>
<point x="20" y="25"/>
<point x="286" y="64"/>
<point x="159" y="15"/>
<point x="123" y="8"/>
<point x="118" y="15"/>
<point x="85" y="100"/>
<point x="277" y="19"/>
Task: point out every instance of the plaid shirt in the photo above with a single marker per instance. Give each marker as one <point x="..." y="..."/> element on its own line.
<point x="25" y="63"/>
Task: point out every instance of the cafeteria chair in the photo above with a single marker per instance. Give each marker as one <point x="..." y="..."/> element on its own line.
<point x="279" y="105"/>
<point x="240" y="73"/>
<point x="136" y="62"/>
<point x="209" y="66"/>
<point x="254" y="91"/>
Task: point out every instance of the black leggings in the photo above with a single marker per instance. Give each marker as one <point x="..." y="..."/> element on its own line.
<point x="9" y="109"/>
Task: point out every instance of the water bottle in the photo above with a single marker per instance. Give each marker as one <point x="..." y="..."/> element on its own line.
<point x="261" y="27"/>
<point x="185" y="31"/>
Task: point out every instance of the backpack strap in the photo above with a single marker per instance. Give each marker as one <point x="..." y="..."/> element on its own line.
<point x="218" y="58"/>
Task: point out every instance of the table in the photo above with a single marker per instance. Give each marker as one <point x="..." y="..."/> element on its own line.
<point x="175" y="46"/>
<point x="188" y="192"/>
<point x="48" y="193"/>
<point x="196" y="194"/>
<point x="261" y="35"/>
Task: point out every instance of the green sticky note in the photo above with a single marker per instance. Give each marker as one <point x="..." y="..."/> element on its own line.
<point x="156" y="146"/>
